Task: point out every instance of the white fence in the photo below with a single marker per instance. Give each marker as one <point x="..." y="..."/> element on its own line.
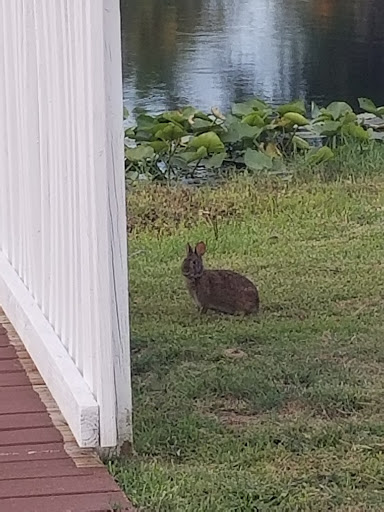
<point x="63" y="261"/>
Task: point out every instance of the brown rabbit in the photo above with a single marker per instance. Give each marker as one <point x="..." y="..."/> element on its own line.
<point x="220" y="290"/>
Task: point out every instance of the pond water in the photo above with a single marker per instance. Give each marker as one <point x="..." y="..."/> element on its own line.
<point x="213" y="52"/>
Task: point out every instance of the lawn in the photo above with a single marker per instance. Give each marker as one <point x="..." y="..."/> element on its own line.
<point x="283" y="410"/>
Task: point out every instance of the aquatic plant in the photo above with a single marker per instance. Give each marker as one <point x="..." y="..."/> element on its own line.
<point x="254" y="136"/>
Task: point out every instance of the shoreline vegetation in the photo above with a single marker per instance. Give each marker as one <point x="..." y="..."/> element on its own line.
<point x="282" y="410"/>
<point x="252" y="137"/>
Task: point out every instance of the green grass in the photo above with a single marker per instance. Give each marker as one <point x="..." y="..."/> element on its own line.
<point x="297" y="422"/>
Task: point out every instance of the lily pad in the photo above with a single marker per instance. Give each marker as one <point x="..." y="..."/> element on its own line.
<point x="355" y="131"/>
<point x="254" y="120"/>
<point x="238" y="131"/>
<point x="216" y="161"/>
<point x="321" y="155"/>
<point x="367" y="105"/>
<point x="170" y="131"/>
<point x="145" y="122"/>
<point x="210" y="140"/>
<point x="139" y="154"/>
<point x="257" y="161"/>
<point x="295" y="106"/>
<point x="329" y="128"/>
<point x="338" y="109"/>
<point x="300" y="143"/>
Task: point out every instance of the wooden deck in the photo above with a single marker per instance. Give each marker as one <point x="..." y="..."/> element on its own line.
<point x="42" y="469"/>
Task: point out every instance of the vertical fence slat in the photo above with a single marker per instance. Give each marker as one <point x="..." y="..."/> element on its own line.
<point x="54" y="164"/>
<point x="77" y="294"/>
<point x="62" y="261"/>
<point x="84" y="350"/>
<point x="70" y="159"/>
<point x="19" y="116"/>
<point x="42" y="88"/>
<point x="49" y="45"/>
<point x="24" y="179"/>
<point x="90" y="355"/>
<point x="57" y="164"/>
<point x="13" y="154"/>
<point x="33" y="179"/>
<point x="4" y="188"/>
<point x="12" y="144"/>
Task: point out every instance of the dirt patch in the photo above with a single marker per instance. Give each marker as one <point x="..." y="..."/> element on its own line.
<point x="229" y="404"/>
<point x="236" y="420"/>
<point x="234" y="353"/>
<point x="229" y="411"/>
<point x="289" y="411"/>
<point x="292" y="409"/>
<point x="235" y="413"/>
<point x="359" y="304"/>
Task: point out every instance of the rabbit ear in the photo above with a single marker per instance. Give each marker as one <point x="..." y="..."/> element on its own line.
<point x="189" y="249"/>
<point x="200" y="249"/>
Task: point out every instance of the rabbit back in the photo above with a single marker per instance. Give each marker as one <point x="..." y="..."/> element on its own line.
<point x="225" y="291"/>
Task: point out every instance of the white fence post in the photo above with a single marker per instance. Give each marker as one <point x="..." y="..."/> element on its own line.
<point x="118" y="224"/>
<point x="63" y="254"/>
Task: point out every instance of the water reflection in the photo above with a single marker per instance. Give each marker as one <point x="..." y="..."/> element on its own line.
<point x="212" y="52"/>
